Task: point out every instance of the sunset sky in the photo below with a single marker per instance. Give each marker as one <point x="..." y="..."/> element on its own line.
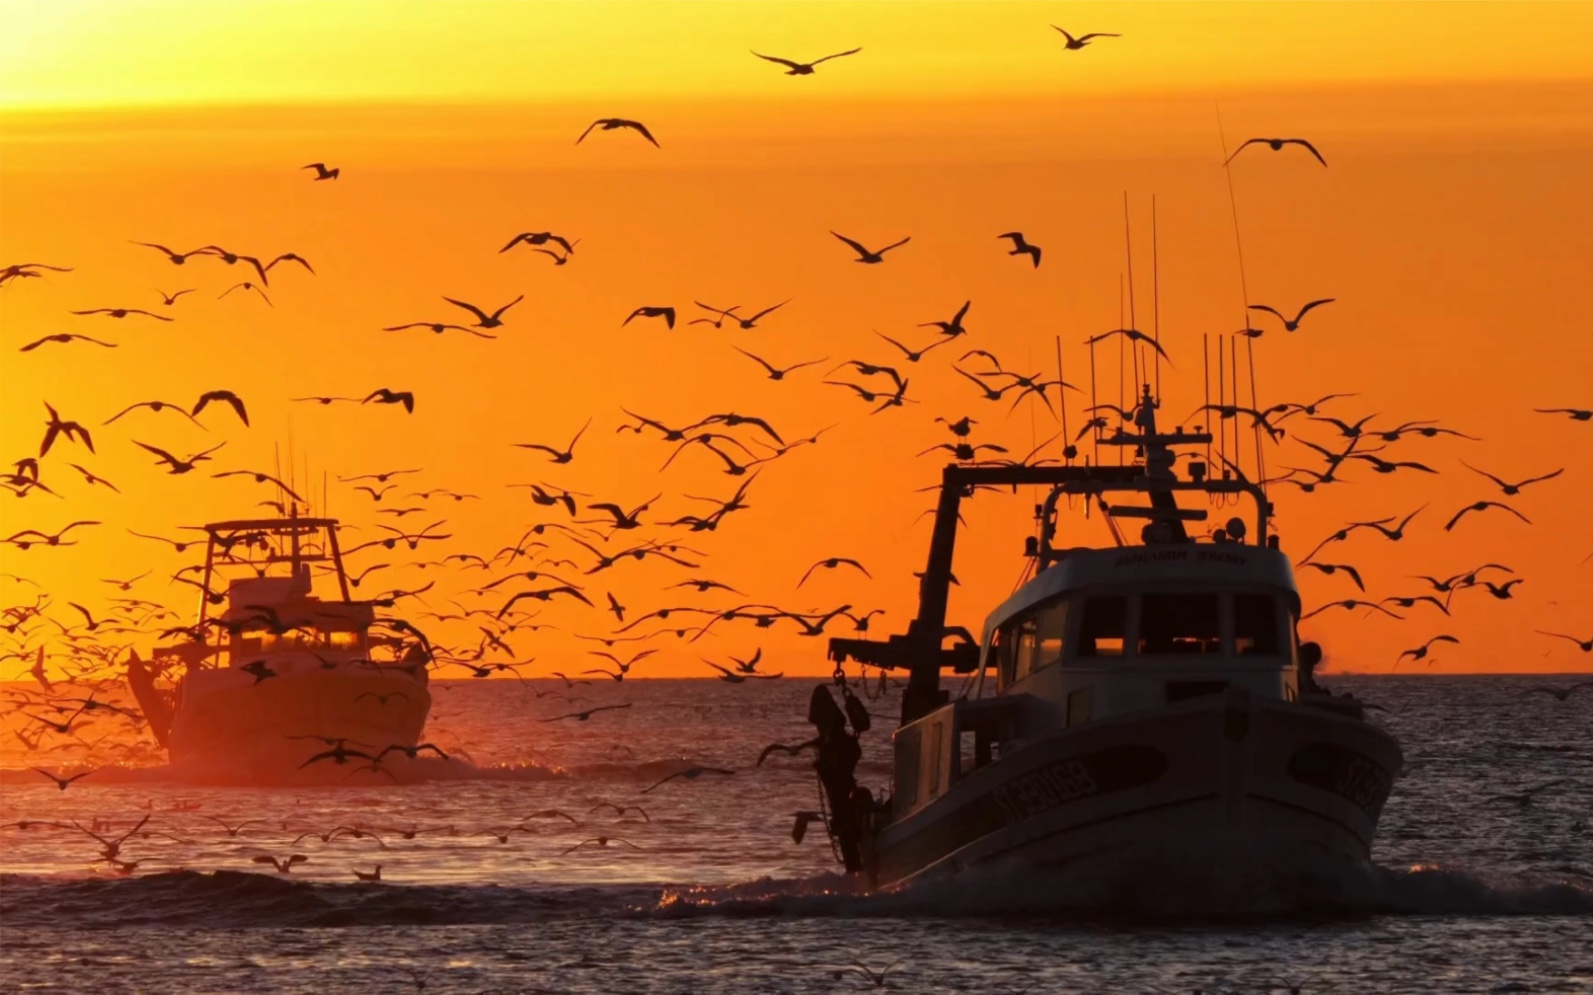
<point x="1453" y="225"/>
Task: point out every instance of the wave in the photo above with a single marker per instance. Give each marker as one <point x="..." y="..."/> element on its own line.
<point x="224" y="899"/>
<point x="394" y="771"/>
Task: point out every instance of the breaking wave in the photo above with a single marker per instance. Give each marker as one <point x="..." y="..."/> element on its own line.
<point x="233" y="899"/>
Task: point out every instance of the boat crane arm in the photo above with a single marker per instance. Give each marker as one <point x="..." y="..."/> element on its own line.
<point x="901" y="652"/>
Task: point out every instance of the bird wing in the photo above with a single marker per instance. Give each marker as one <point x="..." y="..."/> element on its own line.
<point x="1312" y="304"/>
<point x="499" y="313"/>
<point x="480" y="315"/>
<point x="1311" y="148"/>
<point x="163" y="454"/>
<point x="837" y="55"/>
<point x="858" y="247"/>
<point x="639" y="126"/>
<point x="784" y="62"/>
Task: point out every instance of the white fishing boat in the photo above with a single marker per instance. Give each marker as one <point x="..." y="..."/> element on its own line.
<point x="279" y="675"/>
<point x="1147" y="704"/>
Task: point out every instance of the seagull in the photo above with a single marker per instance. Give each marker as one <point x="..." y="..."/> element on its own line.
<point x="1482" y="506"/>
<point x="587" y="715"/>
<point x="866" y="255"/>
<point x="1509" y="489"/>
<point x="1420" y="652"/>
<point x="667" y="313"/>
<point x="1585" y="645"/>
<point x="559" y="456"/>
<point x="1294" y="325"/>
<point x="1074" y="44"/>
<point x="177" y="258"/>
<point x="246" y="285"/>
<point x="1560" y="694"/>
<point x="690" y="774"/>
<point x="1502" y="591"/>
<point x="1577" y="414"/>
<point x="179" y="466"/>
<point x="64" y="782"/>
<point x="1021" y="247"/>
<point x="483" y="320"/>
<point x="225" y="396"/>
<point x="619" y="811"/>
<point x="283" y="865"/>
<point x="778" y="372"/>
<point x="321" y="172"/>
<point x="1524" y="798"/>
<point x="535" y="238"/>
<point x="382" y="396"/>
<point x="953" y="328"/>
<point x="122" y="312"/>
<point x="831" y="564"/>
<point x="170" y="299"/>
<point x="804" y="68"/>
<point x="858" y="967"/>
<point x="64" y="337"/>
<point x="600" y="841"/>
<point x="1133" y="335"/>
<point x="1277" y="144"/>
<point x="1331" y="568"/>
<point x="439" y="327"/>
<point x="610" y="123"/>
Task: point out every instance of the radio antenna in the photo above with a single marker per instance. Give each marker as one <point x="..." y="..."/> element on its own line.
<point x="1062" y="402"/>
<point x="1156" y="301"/>
<point x="1244" y="291"/>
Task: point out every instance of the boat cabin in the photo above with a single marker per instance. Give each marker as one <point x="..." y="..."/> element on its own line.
<point x="1110" y="631"/>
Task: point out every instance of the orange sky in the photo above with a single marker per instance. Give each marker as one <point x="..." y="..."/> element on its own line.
<point x="1452" y="225"/>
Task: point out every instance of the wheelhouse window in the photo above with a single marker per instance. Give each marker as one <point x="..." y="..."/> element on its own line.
<point x="1256" y="631"/>
<point x="1049" y="634"/>
<point x="1180" y="624"/>
<point x="1103" y="626"/>
<point x="1024" y="645"/>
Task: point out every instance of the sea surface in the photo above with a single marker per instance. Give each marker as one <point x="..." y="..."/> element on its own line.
<point x="707" y="893"/>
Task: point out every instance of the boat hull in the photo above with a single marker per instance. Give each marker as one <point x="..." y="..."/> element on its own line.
<point x="1189" y="785"/>
<point x="228" y="726"/>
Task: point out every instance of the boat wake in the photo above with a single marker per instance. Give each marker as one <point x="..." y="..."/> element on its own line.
<point x="226" y="899"/>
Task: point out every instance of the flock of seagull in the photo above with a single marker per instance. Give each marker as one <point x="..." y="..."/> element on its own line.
<point x="580" y="543"/>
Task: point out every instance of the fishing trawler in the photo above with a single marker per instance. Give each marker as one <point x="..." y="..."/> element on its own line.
<point x="1144" y="705"/>
<point x="278" y="675"/>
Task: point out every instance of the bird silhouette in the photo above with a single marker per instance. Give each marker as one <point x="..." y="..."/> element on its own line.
<point x="383" y="395"/>
<point x="1293" y="324"/>
<point x="323" y="173"/>
<point x="484" y="320"/>
<point x="667" y="313"/>
<point x="1509" y="489"/>
<point x="611" y="123"/>
<point x="1020" y="247"/>
<point x="1074" y="44"/>
<point x="804" y="68"/>
<point x="1276" y="145"/>
<point x="560" y="456"/>
<point x="867" y="255"/>
<point x="1482" y="506"/>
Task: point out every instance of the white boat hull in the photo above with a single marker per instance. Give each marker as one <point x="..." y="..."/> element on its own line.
<point x="1185" y="786"/>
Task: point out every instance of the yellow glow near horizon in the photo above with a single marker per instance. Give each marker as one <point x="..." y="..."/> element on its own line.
<point x="105" y="53"/>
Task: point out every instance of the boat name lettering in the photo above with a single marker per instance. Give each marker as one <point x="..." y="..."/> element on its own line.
<point x="1151" y="556"/>
<point x="1044" y="788"/>
<point x="1143" y="556"/>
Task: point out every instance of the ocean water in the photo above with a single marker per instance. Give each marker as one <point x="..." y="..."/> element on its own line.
<point x="706" y="892"/>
